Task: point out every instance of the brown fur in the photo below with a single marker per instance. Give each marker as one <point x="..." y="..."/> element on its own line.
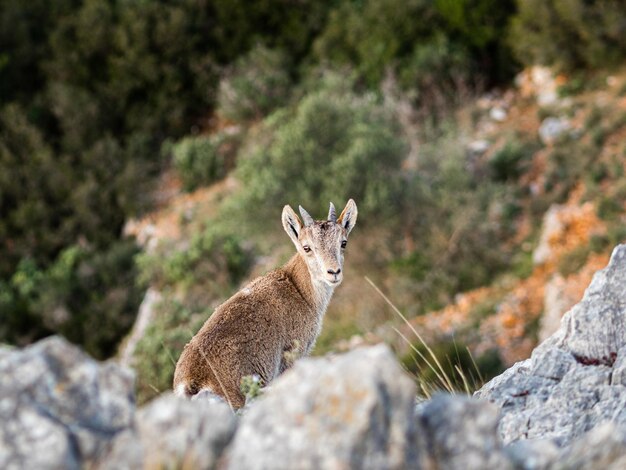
<point x="274" y="319"/>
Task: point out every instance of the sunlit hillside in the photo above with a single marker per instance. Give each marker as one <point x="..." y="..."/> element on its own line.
<point x="543" y="175"/>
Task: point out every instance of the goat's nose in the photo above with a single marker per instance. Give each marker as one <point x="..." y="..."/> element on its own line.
<point x="330" y="271"/>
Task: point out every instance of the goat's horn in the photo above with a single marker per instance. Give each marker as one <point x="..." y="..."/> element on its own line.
<point x="306" y="217"/>
<point x="332" y="213"/>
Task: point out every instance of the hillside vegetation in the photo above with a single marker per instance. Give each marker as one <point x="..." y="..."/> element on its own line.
<point x="113" y="110"/>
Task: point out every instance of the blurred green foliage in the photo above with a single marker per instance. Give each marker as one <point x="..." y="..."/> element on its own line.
<point x="569" y="34"/>
<point x="89" y="91"/>
<point x="90" y="296"/>
<point x="256" y="84"/>
<point x="213" y="259"/>
<point x="512" y="160"/>
<point x="159" y="348"/>
<point x="332" y="145"/>
<point x="199" y="161"/>
<point x="452" y="218"/>
<point x="439" y="73"/>
<point x="375" y="36"/>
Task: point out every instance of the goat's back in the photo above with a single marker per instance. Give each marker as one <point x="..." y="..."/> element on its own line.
<point x="247" y="335"/>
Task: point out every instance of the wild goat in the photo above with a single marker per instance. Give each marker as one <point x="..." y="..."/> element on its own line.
<point x="276" y="318"/>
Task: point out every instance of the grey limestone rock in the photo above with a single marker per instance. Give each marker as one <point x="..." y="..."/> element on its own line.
<point x="552" y="128"/>
<point x="58" y="407"/>
<point x="532" y="454"/>
<point x="574" y="380"/>
<point x="604" y="447"/>
<point x="173" y="432"/>
<point x="349" y="411"/>
<point x="460" y="432"/>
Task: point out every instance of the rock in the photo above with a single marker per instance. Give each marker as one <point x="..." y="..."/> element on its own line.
<point x="603" y="447"/>
<point x="532" y="454"/>
<point x="459" y="432"/>
<point x="552" y="128"/>
<point x="551" y="226"/>
<point x="477" y="148"/>
<point x="595" y="327"/>
<point x="172" y="432"/>
<point x="498" y="114"/>
<point x="538" y="81"/>
<point x="557" y="234"/>
<point x="58" y="407"/>
<point x="557" y="301"/>
<point x="348" y="411"/>
<point x="574" y="380"/>
<point x="143" y="321"/>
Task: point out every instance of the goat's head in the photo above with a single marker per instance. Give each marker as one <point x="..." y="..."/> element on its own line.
<point x="321" y="243"/>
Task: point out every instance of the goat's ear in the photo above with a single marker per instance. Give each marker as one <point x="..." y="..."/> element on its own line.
<point x="347" y="219"/>
<point x="291" y="224"/>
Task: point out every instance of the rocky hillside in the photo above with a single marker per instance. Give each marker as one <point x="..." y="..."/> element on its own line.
<point x="529" y="183"/>
<point x="562" y="408"/>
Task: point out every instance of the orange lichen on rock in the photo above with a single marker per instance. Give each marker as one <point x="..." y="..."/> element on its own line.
<point x="448" y="319"/>
<point x="508" y="327"/>
<point x="566" y="227"/>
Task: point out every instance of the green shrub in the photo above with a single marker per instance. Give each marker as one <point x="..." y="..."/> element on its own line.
<point x="255" y="85"/>
<point x="376" y="35"/>
<point x="90" y="90"/>
<point x="569" y="34"/>
<point x="158" y="350"/>
<point x="438" y="73"/>
<point x="454" y="220"/>
<point x="202" y="160"/>
<point x="511" y="161"/>
<point x="213" y="262"/>
<point x="370" y="35"/>
<point x="333" y="145"/>
<point x="91" y="297"/>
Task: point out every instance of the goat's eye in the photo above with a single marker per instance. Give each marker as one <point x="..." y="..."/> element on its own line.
<point x="344" y="243"/>
<point x="306" y="248"/>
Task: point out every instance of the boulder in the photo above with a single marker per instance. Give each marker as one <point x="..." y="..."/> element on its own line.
<point x="349" y="411"/>
<point x="532" y="454"/>
<point x="574" y="381"/>
<point x="145" y="317"/>
<point x="58" y="407"/>
<point x="172" y="432"/>
<point x="459" y="432"/>
<point x="604" y="447"/>
<point x="553" y="128"/>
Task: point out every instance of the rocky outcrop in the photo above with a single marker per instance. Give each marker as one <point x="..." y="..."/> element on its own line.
<point x="58" y="407"/>
<point x="145" y="317"/>
<point x="552" y="129"/>
<point x="574" y="381"/>
<point x="348" y="411"/>
<point x="172" y="432"/>
<point x="61" y="409"/>
<point x="459" y="432"/>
